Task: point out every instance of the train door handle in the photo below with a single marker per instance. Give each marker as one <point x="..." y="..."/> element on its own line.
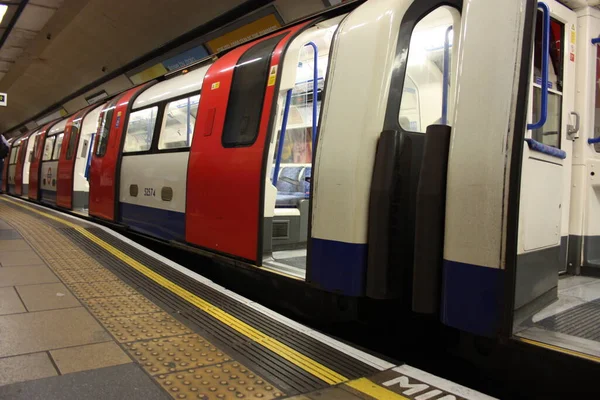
<point x="573" y="129"/>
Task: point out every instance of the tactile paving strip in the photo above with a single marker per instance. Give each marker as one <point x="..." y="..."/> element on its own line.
<point x="116" y="306"/>
<point x="85" y="290"/>
<point x="229" y="380"/>
<point x="86" y="275"/>
<point x="180" y="353"/>
<point x="147" y="326"/>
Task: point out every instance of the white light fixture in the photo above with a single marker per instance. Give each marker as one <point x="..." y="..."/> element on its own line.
<point x="3" y="9"/>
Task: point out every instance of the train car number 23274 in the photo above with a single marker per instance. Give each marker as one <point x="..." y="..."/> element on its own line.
<point x="149" y="192"/>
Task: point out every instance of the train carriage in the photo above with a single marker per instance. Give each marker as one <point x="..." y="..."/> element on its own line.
<point x="383" y="149"/>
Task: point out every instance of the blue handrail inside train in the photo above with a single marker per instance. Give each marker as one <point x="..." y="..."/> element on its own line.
<point x="596" y="40"/>
<point x="545" y="55"/>
<point x="594" y="140"/>
<point x="89" y="158"/>
<point x="544" y="148"/>
<point x="286" y="111"/>
<point x="446" y="76"/>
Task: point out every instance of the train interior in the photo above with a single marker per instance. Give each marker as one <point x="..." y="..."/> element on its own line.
<point x="285" y="250"/>
<point x="557" y="294"/>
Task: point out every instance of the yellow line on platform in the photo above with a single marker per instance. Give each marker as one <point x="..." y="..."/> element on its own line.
<point x="309" y="365"/>
<point x="374" y="390"/>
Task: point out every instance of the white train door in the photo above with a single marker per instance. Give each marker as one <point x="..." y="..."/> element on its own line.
<point x="584" y="234"/>
<point x="547" y="160"/>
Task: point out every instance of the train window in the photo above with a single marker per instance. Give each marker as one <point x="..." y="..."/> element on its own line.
<point x="48" y="147"/>
<point x="57" y="147"/>
<point x="107" y="117"/>
<point x="424" y="101"/>
<point x="73" y="138"/>
<point x="548" y="134"/>
<point x="140" y="130"/>
<point x="247" y="94"/>
<point x="13" y="155"/>
<point x="178" y="123"/>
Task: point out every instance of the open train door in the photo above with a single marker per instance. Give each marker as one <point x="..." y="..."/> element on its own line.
<point x="509" y="170"/>
<point x="66" y="162"/>
<point x="106" y="156"/>
<point x="545" y="195"/>
<point x="36" y="160"/>
<point x="20" y="163"/>
<point x="225" y="174"/>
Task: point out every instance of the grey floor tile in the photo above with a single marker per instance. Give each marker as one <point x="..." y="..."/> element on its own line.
<point x="91" y="356"/>
<point x="121" y="382"/>
<point x="25" y="368"/>
<point x="47" y="330"/>
<point x="10" y="302"/>
<point x="26" y="275"/>
<point x="19" y="257"/>
<point x="47" y="296"/>
<point x="14" y="244"/>
<point x="8" y="234"/>
<point x="5" y="225"/>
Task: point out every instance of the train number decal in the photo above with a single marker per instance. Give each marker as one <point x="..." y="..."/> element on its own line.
<point x="149" y="192"/>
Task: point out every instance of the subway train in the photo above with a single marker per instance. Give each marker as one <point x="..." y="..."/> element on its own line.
<point x="386" y="149"/>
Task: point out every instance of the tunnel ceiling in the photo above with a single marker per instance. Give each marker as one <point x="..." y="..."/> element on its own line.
<point x="55" y="47"/>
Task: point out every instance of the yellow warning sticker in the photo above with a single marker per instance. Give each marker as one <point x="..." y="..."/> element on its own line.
<point x="573" y="35"/>
<point x="272" y="75"/>
<point x="215" y="85"/>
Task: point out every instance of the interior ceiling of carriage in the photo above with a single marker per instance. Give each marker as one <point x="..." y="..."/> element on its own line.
<point x="52" y="49"/>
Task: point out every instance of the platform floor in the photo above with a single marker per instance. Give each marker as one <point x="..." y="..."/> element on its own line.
<point x="88" y="314"/>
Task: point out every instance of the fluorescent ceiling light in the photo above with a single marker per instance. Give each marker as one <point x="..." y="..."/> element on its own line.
<point x="3" y="9"/>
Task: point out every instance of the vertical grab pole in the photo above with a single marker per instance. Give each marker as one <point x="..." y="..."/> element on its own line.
<point x="286" y="110"/>
<point x="188" y="122"/>
<point x="315" y="90"/>
<point x="446" y="77"/>
<point x="545" y="54"/>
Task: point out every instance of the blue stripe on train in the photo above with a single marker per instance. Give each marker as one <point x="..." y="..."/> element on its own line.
<point x="472" y="298"/>
<point x="48" y="196"/>
<point x="338" y="266"/>
<point x="164" y="224"/>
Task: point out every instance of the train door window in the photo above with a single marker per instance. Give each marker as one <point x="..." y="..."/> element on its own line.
<point x="57" y="147"/>
<point x="106" y="122"/>
<point x="178" y="123"/>
<point x="548" y="134"/>
<point x="140" y="130"/>
<point x="48" y="148"/>
<point x="426" y="85"/>
<point x="73" y="138"/>
<point x="247" y="94"/>
<point x="13" y="155"/>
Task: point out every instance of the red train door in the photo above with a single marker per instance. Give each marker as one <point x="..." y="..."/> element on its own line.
<point x="34" y="167"/>
<point x="104" y="168"/>
<point x="223" y="204"/>
<point x="66" y="162"/>
<point x="19" y="166"/>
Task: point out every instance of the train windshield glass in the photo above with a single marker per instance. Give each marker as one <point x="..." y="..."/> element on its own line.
<point x="424" y="100"/>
